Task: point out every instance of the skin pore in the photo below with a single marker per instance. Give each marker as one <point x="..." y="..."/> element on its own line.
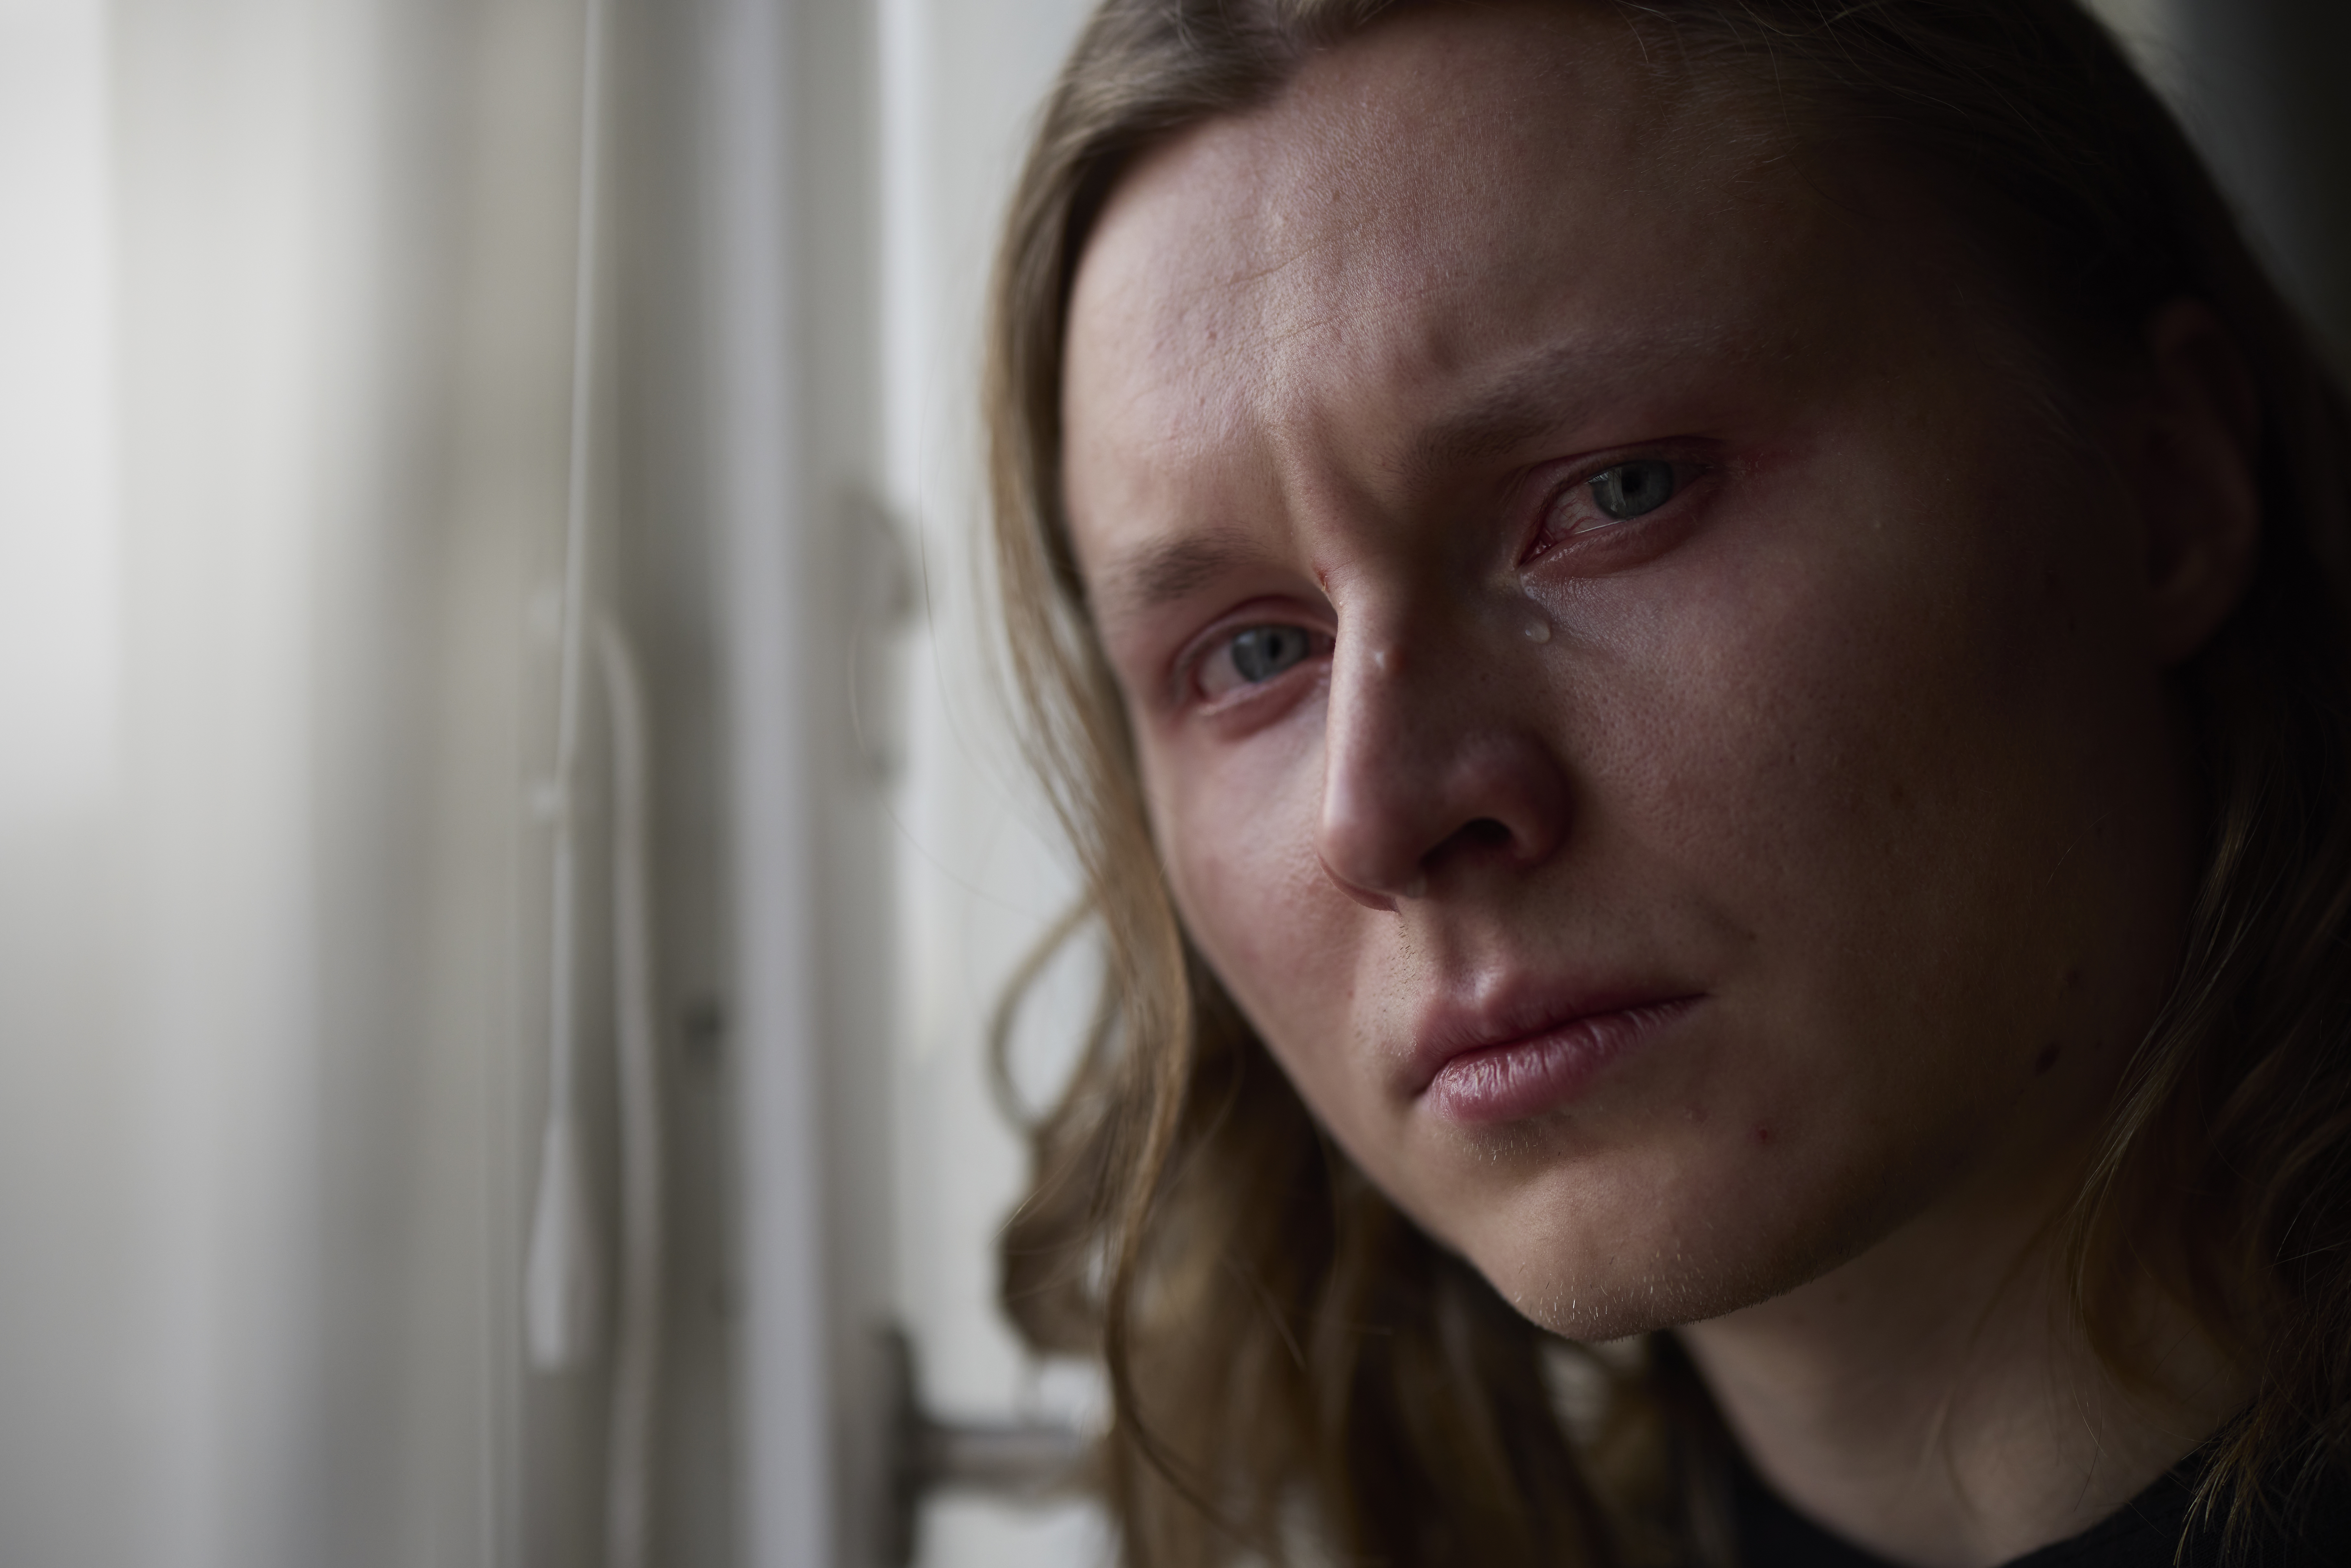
<point x="1659" y="733"/>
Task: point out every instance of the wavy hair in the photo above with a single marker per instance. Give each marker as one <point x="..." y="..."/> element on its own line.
<point x="1286" y="1353"/>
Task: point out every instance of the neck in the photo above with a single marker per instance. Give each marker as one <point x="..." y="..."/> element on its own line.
<point x="1931" y="1401"/>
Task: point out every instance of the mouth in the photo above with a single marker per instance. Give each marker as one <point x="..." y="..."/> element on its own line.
<point x="1481" y="1071"/>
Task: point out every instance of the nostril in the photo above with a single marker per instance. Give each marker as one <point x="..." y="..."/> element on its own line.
<point x="1485" y="832"/>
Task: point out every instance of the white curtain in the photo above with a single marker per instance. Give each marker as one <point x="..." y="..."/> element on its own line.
<point x="283" y="292"/>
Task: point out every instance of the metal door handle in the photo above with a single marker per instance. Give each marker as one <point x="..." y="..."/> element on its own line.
<point x="1020" y="1459"/>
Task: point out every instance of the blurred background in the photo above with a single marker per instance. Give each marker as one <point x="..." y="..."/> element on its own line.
<point x="509" y="843"/>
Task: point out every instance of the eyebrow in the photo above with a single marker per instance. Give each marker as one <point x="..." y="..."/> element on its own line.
<point x="1529" y="395"/>
<point x="1557" y="383"/>
<point x="1161" y="574"/>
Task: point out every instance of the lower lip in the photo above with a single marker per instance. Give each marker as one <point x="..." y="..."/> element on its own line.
<point x="1522" y="1078"/>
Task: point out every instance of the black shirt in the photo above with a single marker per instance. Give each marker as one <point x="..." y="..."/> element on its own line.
<point x="2145" y="1534"/>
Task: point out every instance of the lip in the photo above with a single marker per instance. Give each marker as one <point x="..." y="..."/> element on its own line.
<point x="1508" y="1057"/>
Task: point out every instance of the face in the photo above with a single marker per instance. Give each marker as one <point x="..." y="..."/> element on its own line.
<point x="1636" y="705"/>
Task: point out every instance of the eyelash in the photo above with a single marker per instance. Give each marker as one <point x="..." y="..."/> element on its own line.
<point x="1546" y="540"/>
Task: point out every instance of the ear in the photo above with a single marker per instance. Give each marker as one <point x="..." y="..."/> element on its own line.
<point x="2191" y="464"/>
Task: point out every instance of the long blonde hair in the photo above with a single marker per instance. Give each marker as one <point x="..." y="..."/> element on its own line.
<point x="1283" y="1347"/>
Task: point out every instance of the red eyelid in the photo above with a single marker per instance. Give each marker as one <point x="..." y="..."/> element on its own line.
<point x="1548" y="483"/>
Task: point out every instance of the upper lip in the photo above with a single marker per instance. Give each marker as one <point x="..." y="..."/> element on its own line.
<point x="1494" y="1011"/>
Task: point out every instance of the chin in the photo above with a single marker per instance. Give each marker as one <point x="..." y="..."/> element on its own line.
<point x="1596" y="1309"/>
<point x="1648" y="1266"/>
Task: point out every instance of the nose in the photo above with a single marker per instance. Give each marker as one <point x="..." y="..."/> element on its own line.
<point x="1434" y="774"/>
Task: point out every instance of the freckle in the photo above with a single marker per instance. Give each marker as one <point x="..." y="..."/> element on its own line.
<point x="2045" y="1060"/>
<point x="1537" y="630"/>
<point x="2074" y="978"/>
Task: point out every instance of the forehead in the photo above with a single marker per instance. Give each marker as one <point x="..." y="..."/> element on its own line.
<point x="1388" y="154"/>
<point x="1462" y="198"/>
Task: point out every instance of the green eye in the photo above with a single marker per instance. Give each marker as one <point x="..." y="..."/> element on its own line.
<point x="1632" y="488"/>
<point x="1262" y="652"/>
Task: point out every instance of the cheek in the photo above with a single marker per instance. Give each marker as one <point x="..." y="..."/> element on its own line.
<point x="1236" y="828"/>
<point x="1307" y="965"/>
<point x="1901" y="758"/>
<point x="1905" y="752"/>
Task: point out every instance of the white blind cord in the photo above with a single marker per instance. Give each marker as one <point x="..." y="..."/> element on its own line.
<point x="563" y="1273"/>
<point x="562" y="1288"/>
<point x="636" y="1352"/>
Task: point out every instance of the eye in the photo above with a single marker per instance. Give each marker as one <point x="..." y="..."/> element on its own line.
<point x="1629" y="489"/>
<point x="1256" y="654"/>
